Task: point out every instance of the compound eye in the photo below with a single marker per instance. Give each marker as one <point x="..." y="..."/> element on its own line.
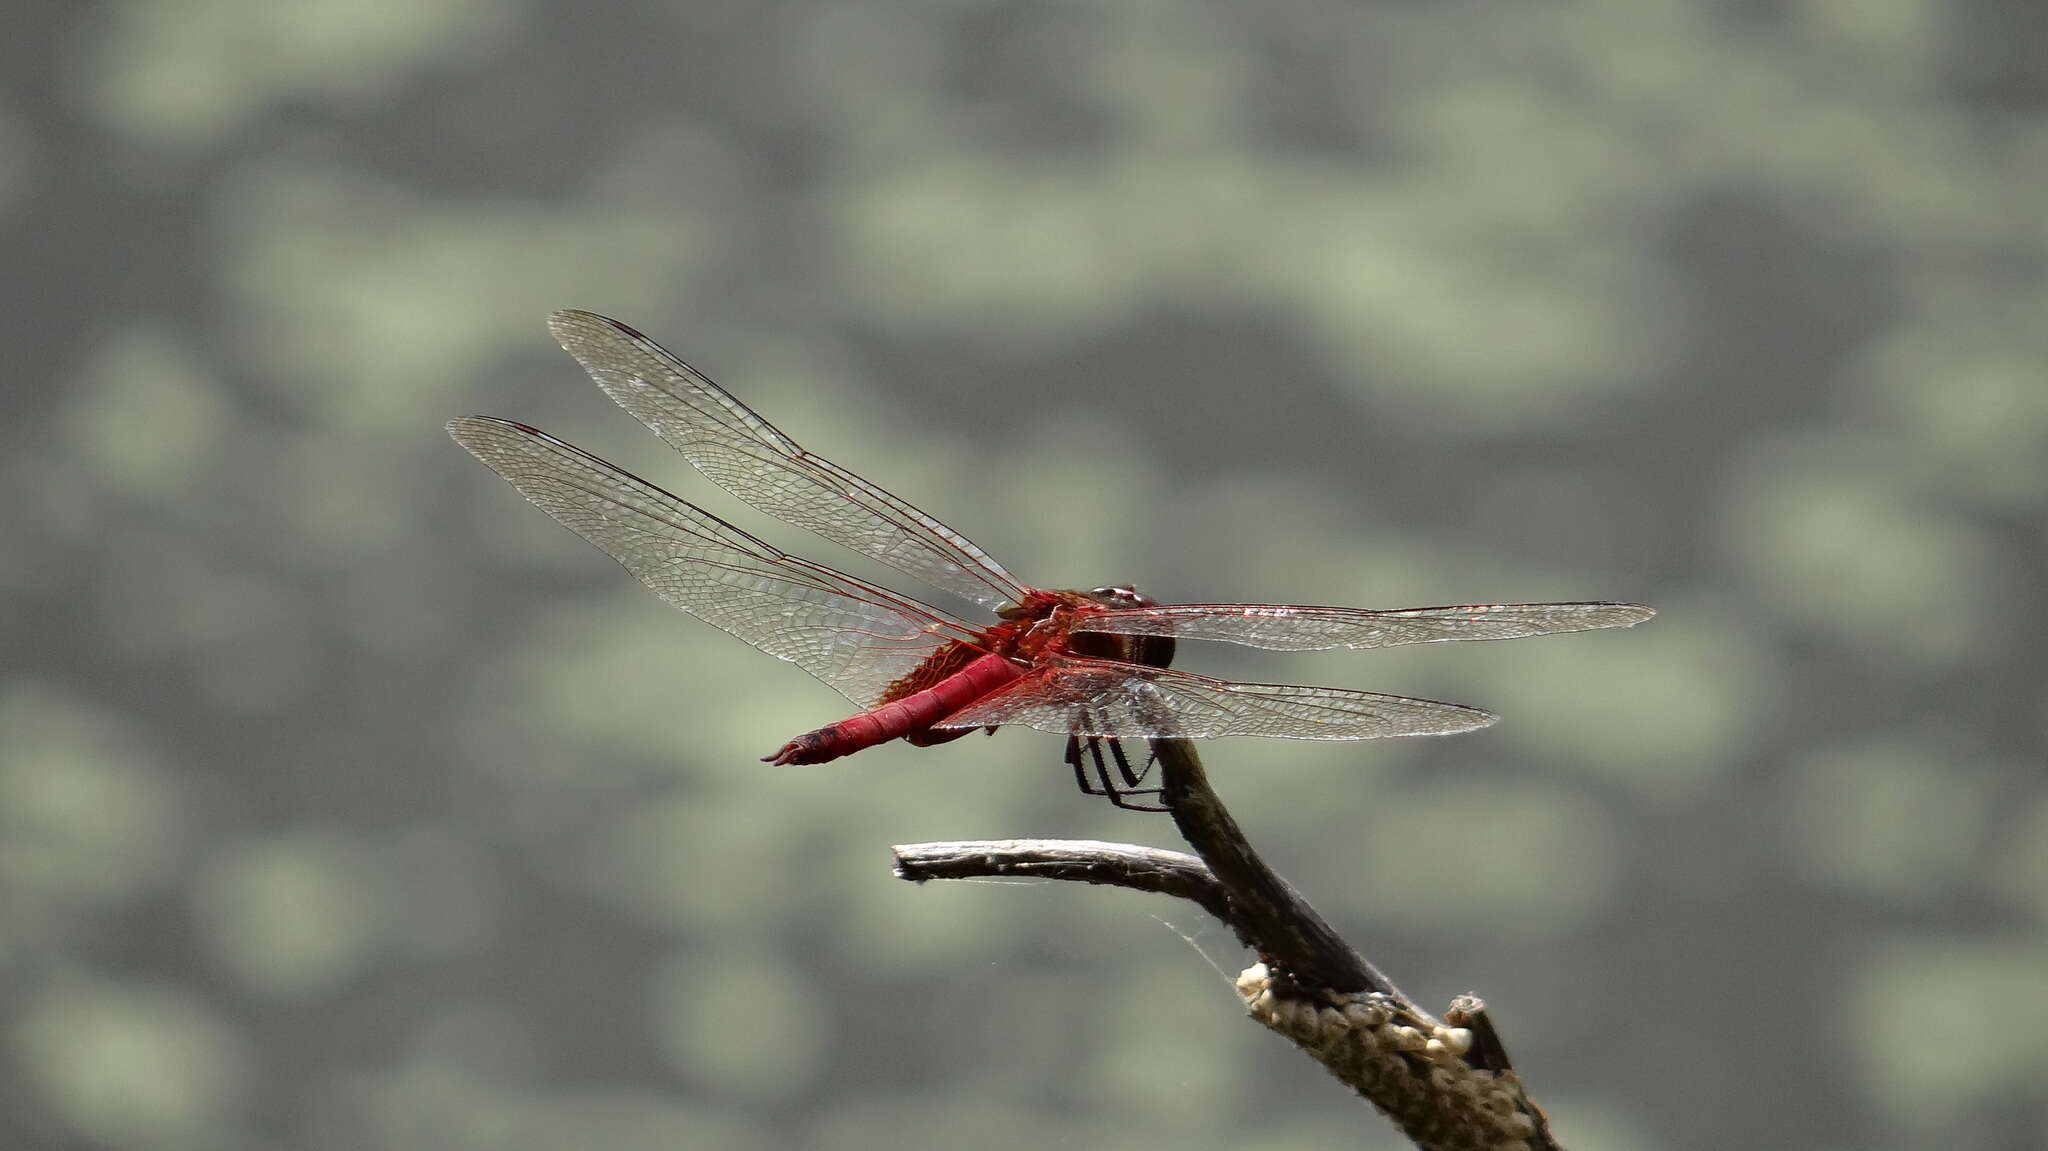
<point x="1125" y="596"/>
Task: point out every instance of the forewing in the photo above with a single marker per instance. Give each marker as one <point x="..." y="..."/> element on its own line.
<point x="1287" y="628"/>
<point x="749" y="457"/>
<point x="856" y="638"/>
<point x="1069" y="695"/>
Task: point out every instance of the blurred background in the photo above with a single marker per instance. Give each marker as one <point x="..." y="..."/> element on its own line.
<point x="348" y="803"/>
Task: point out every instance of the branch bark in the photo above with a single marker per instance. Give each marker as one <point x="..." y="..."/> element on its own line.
<point x="1077" y="860"/>
<point x="1448" y="1084"/>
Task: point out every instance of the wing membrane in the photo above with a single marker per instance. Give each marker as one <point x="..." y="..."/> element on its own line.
<point x="1071" y="695"/>
<point x="1284" y="628"/>
<point x="748" y="456"/>
<point x="855" y="637"/>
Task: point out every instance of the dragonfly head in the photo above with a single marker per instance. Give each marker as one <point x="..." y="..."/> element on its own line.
<point x="1151" y="650"/>
<point x="1119" y="597"/>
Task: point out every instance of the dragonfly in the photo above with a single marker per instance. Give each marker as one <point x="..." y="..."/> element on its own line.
<point x="1091" y="665"/>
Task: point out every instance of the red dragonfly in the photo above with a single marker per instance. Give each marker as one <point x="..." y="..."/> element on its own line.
<point x="1089" y="665"/>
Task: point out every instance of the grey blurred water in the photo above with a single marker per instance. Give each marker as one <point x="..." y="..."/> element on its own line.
<point x="345" y="802"/>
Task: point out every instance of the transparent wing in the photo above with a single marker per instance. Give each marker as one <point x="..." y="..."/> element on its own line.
<point x="854" y="636"/>
<point x="747" y="456"/>
<point x="1070" y="695"/>
<point x="1287" y="628"/>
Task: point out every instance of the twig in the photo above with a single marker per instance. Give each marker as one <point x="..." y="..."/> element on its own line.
<point x="1082" y="860"/>
<point x="1448" y="1084"/>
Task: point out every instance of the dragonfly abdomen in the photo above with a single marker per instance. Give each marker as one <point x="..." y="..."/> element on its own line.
<point x="910" y="715"/>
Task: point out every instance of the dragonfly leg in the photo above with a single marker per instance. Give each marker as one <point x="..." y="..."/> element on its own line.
<point x="1102" y="783"/>
<point x="1075" y="760"/>
<point x="1132" y="777"/>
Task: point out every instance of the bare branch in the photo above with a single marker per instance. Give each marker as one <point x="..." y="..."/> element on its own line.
<point x="1447" y="1084"/>
<point x="1265" y="911"/>
<point x="1083" y="860"/>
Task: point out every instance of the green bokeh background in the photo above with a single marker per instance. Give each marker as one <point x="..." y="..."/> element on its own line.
<point x="346" y="803"/>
